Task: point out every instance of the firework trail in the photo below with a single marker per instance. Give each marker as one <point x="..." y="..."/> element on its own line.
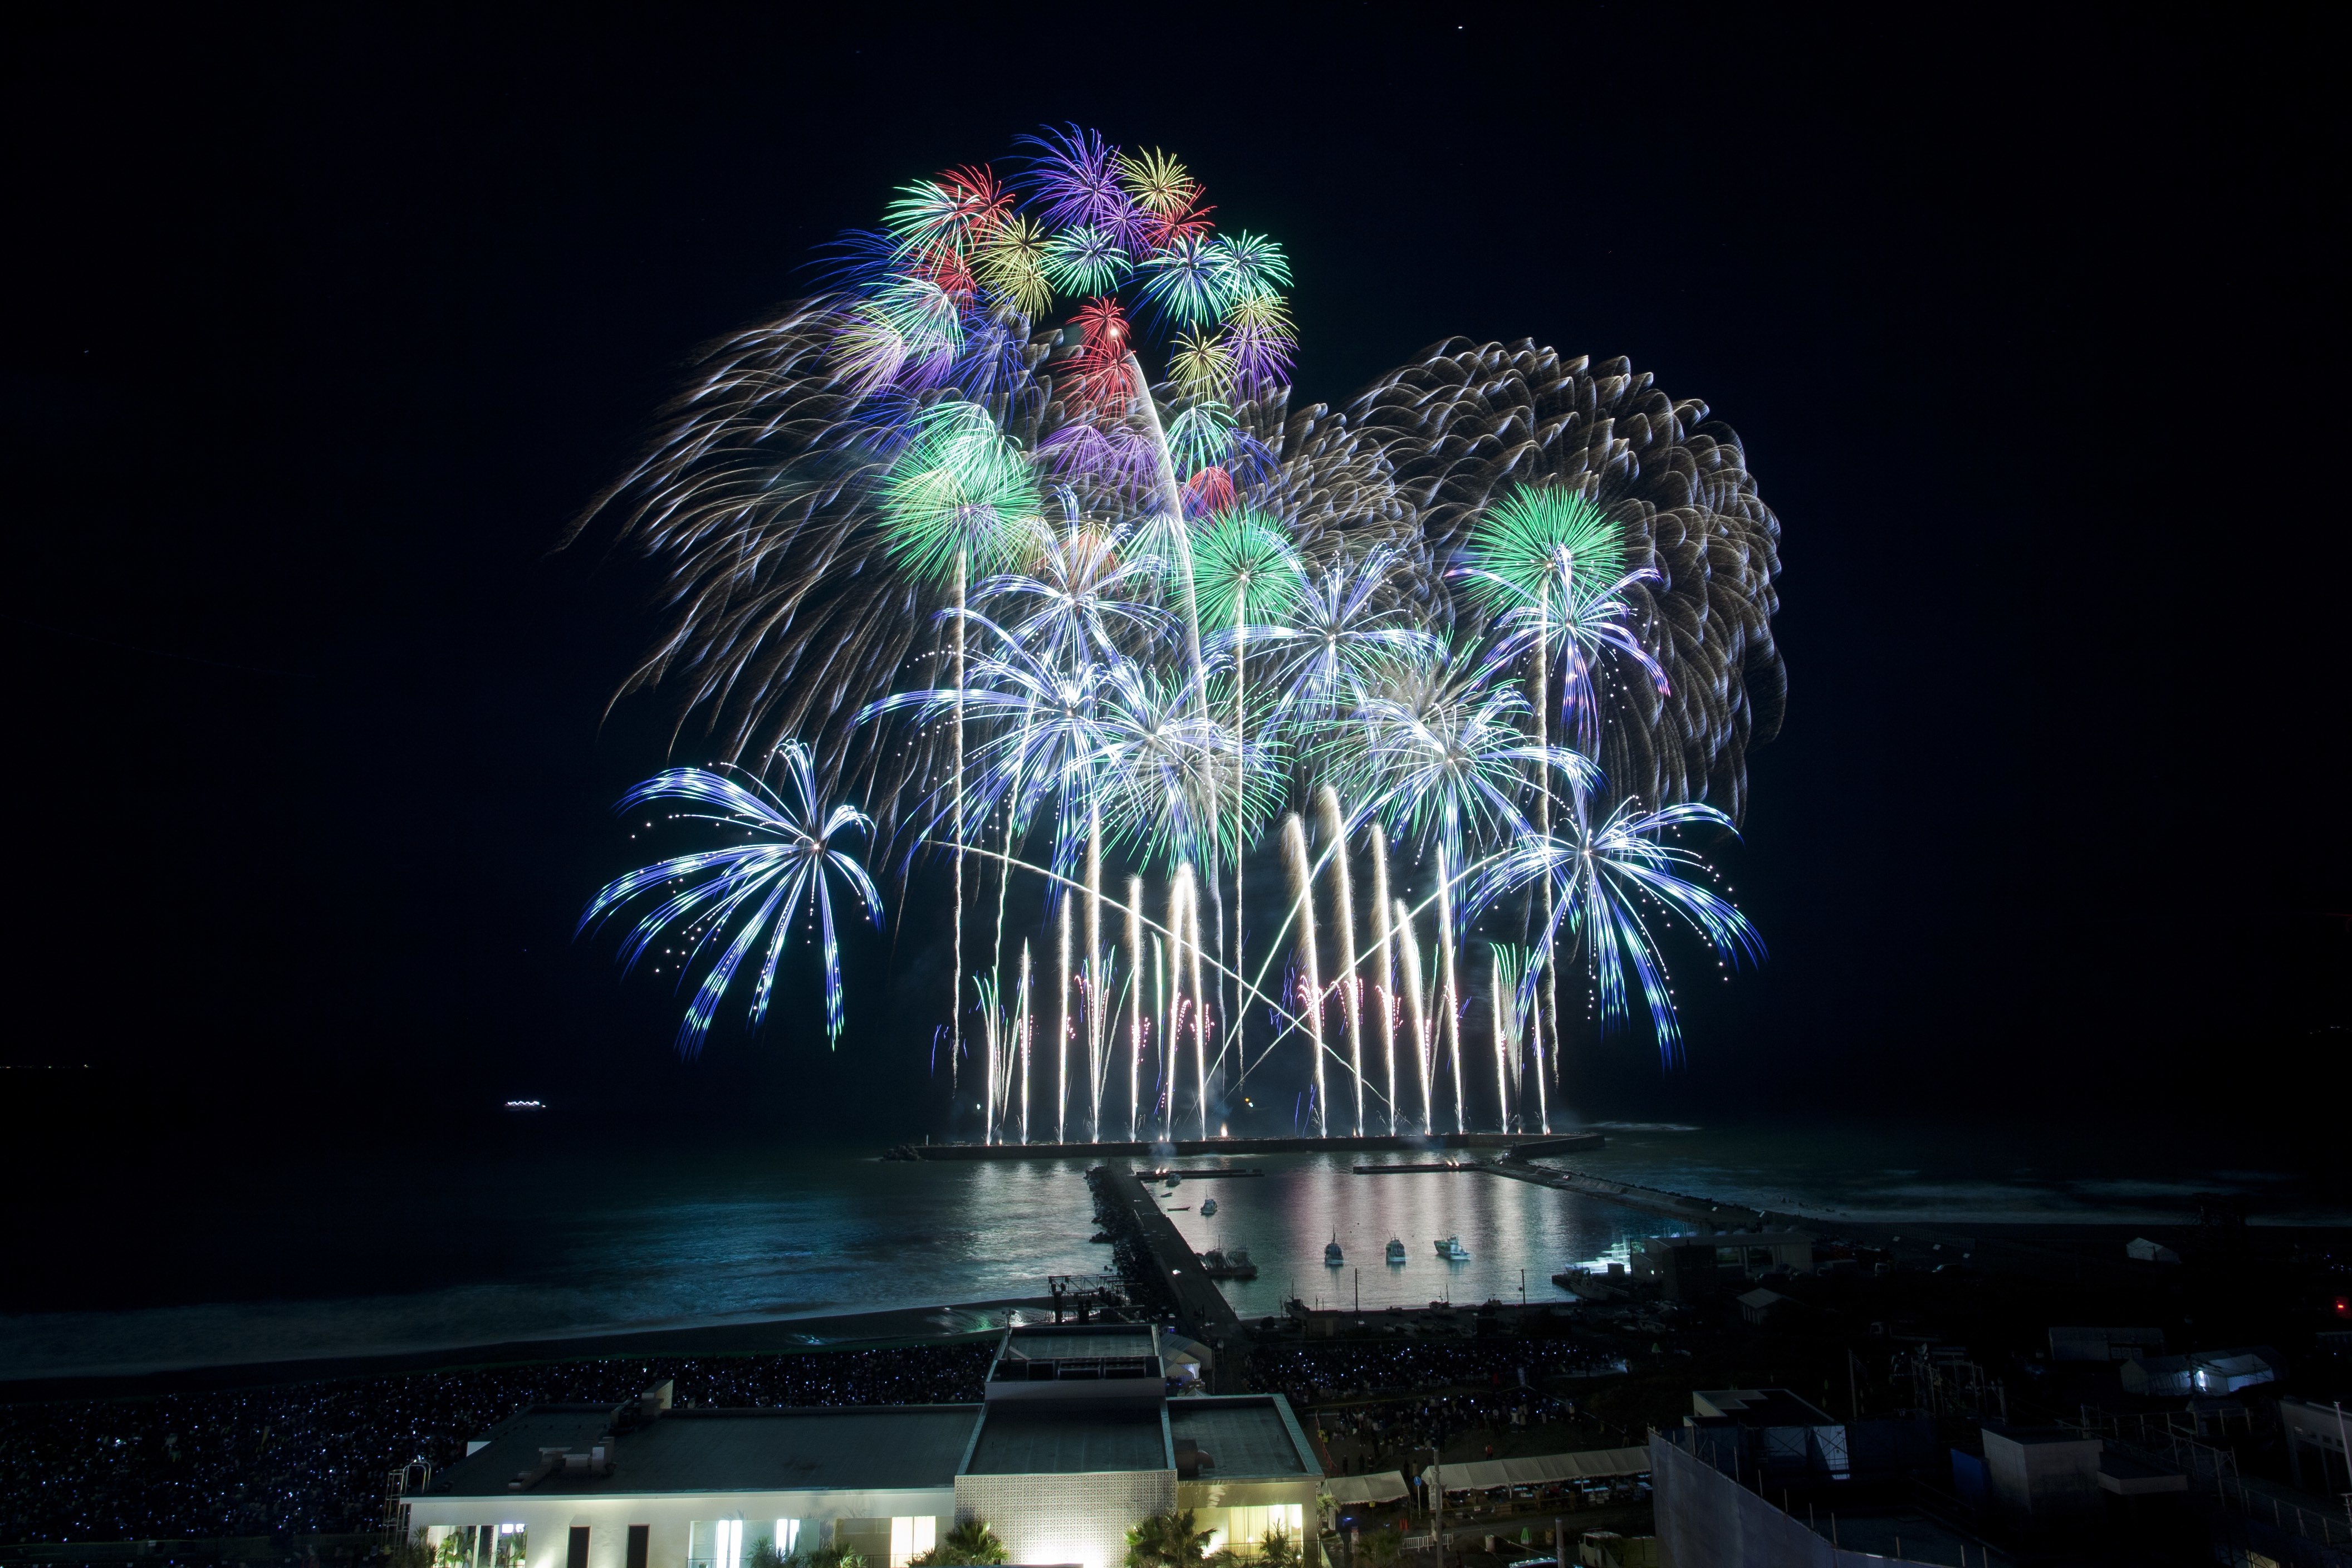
<point x="1094" y="971"/>
<point x="1026" y="1038"/>
<point x="1509" y="1007"/>
<point x="1418" y="1012"/>
<point x="1343" y="920"/>
<point x="1200" y="997"/>
<point x="1061" y="1026"/>
<point x="1385" y="939"/>
<point x="1302" y="883"/>
<point x="1134" y="999"/>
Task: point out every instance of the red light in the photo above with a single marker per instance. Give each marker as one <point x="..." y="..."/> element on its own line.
<point x="2344" y="1306"/>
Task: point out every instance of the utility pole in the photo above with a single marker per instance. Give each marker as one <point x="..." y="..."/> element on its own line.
<point x="1437" y="1501"/>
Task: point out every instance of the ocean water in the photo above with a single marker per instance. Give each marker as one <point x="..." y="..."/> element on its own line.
<point x="380" y="1253"/>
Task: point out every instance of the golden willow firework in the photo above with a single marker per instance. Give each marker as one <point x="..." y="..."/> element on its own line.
<point x="1013" y="530"/>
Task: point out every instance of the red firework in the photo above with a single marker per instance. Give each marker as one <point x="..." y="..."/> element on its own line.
<point x="1100" y="365"/>
<point x="944" y="265"/>
<point x="979" y="200"/>
<point x="1209" y="493"/>
<point x="1187" y="220"/>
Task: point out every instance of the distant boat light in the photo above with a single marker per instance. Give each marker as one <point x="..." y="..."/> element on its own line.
<point x="526" y="1105"/>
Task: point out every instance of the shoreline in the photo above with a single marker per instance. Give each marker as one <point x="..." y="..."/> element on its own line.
<point x="766" y="1336"/>
<point x="2054" y="1250"/>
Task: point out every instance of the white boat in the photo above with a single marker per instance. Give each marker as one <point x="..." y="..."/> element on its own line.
<point x="1332" y="1256"/>
<point x="1452" y="1251"/>
<point x="1396" y="1250"/>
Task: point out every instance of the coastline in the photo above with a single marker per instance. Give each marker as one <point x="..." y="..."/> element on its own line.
<point x="941" y="1324"/>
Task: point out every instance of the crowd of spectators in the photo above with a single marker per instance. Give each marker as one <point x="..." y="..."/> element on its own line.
<point x="311" y="1458"/>
<point x="1316" y="1374"/>
<point x="1380" y="1406"/>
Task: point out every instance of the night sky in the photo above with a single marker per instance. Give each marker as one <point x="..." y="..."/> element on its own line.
<point x="322" y="330"/>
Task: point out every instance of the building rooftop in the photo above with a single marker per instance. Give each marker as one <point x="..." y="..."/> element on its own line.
<point x="1248" y="1438"/>
<point x="2035" y="1437"/>
<point x="860" y="1448"/>
<point x="1069" y="1439"/>
<point x="1063" y="1344"/>
<point x="1760" y="1408"/>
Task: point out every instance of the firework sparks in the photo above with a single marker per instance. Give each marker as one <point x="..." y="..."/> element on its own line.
<point x="922" y="532"/>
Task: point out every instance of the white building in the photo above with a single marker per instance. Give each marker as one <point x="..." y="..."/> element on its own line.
<point x="1076" y="1441"/>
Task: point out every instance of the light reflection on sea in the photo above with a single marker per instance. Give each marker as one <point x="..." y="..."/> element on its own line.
<point x="381" y="1255"/>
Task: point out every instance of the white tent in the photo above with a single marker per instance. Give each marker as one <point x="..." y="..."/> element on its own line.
<point x="1385" y="1487"/>
<point x="1540" y="1470"/>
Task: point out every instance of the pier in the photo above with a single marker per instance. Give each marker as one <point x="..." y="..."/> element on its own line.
<point x="1151" y="1241"/>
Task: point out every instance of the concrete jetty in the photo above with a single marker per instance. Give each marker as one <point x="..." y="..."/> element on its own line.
<point x="1521" y="1145"/>
<point x="1124" y="1203"/>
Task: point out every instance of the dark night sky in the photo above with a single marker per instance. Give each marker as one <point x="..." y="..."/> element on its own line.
<point x="323" y="328"/>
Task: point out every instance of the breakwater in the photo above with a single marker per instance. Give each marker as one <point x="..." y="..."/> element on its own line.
<point x="1521" y="1145"/>
<point x="1159" y="1270"/>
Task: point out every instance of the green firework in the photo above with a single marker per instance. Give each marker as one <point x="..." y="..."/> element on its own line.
<point x="959" y="490"/>
<point x="1550" y="547"/>
<point x="1244" y="564"/>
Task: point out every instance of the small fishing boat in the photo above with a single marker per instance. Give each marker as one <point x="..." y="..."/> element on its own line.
<point x="1452" y="1251"/>
<point x="1235" y="1265"/>
<point x="1209" y="1207"/>
<point x="1396" y="1250"/>
<point x="1332" y="1256"/>
<point x="1173" y="1178"/>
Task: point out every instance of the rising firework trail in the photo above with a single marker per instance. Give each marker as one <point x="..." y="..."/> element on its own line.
<point x="1311" y="999"/>
<point x="1343" y="923"/>
<point x="1135" y="973"/>
<point x="1384" y="919"/>
<point x="1062" y="1025"/>
<point x="1417" y="1010"/>
<point x="1025" y="1036"/>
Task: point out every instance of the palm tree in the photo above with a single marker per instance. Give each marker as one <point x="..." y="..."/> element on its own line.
<point x="787" y="862"/>
<point x="1169" y="1539"/>
<point x="967" y="1545"/>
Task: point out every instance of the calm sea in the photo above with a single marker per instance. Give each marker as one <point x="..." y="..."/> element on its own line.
<point x="372" y="1254"/>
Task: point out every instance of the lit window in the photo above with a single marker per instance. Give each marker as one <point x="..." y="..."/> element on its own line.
<point x="715" y="1543"/>
<point x="911" y="1535"/>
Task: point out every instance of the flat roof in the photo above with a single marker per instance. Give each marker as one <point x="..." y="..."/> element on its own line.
<point x="1071" y="1344"/>
<point x="1068" y="1439"/>
<point x="1247" y="1437"/>
<point x="875" y="1447"/>
<point x="1760" y="1408"/>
